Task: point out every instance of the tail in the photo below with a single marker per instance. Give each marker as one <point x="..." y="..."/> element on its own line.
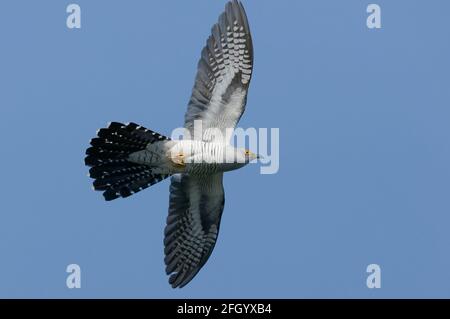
<point x="108" y="159"/>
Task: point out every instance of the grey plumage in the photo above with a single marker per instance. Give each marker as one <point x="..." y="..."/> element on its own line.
<point x="195" y="209"/>
<point x="125" y="159"/>
<point x="109" y="155"/>
<point x="224" y="73"/>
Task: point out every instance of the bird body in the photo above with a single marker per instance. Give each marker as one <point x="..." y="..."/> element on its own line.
<point x="192" y="156"/>
<point x="127" y="158"/>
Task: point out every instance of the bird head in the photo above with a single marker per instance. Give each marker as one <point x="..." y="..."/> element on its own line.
<point x="249" y="155"/>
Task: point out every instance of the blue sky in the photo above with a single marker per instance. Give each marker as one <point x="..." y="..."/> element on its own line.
<point x="364" y="149"/>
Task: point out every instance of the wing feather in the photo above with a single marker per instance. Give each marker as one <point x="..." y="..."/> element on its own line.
<point x="195" y="210"/>
<point x="223" y="77"/>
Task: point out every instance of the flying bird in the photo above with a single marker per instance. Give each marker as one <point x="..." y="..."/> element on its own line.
<point x="127" y="158"/>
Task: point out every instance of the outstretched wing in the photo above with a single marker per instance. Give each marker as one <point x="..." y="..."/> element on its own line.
<point x="195" y="209"/>
<point x="224" y="72"/>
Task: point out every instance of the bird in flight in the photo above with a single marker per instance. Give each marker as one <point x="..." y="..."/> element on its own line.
<point x="127" y="158"/>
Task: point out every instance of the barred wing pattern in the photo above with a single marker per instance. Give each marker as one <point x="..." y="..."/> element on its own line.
<point x="218" y="99"/>
<point x="195" y="208"/>
<point x="224" y="72"/>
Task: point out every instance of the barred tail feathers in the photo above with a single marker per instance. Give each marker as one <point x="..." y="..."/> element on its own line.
<point x="108" y="156"/>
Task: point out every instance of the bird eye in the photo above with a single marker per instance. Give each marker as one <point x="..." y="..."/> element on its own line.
<point x="247" y="152"/>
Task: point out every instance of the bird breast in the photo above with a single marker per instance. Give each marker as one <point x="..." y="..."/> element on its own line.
<point x="199" y="157"/>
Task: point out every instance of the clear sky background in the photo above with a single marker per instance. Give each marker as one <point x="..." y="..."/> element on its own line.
<point x="365" y="148"/>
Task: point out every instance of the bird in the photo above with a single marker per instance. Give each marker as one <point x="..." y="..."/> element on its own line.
<point x="124" y="159"/>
